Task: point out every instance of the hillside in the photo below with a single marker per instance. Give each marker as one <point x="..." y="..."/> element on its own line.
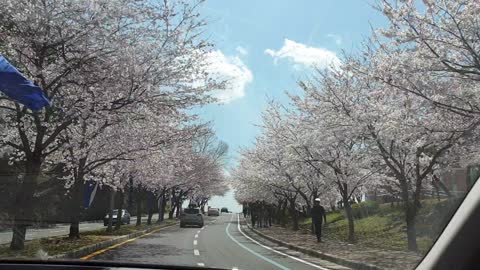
<point x="383" y="226"/>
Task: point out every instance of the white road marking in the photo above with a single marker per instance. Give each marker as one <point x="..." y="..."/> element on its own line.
<point x="234" y="268"/>
<point x="198" y="231"/>
<point x="276" y="251"/>
<point x="196" y="252"/>
<point x="196" y="235"/>
<point x="201" y="264"/>
<point x="194" y="242"/>
<point x="251" y="251"/>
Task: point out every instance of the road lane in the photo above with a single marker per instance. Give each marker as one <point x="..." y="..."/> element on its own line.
<point x="220" y="243"/>
<point x="170" y="245"/>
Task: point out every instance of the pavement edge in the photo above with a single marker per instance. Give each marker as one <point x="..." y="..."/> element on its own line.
<point x="318" y="254"/>
<point x="84" y="251"/>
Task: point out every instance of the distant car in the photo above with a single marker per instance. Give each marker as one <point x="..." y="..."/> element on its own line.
<point x="191" y="216"/>
<point x="213" y="212"/>
<point x="224" y="210"/>
<point x="125" y="217"/>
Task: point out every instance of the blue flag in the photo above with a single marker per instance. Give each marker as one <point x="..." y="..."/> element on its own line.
<point x="19" y="88"/>
<point x="89" y="193"/>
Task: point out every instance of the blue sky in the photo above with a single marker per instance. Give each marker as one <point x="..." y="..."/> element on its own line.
<point x="243" y="30"/>
<point x="265" y="46"/>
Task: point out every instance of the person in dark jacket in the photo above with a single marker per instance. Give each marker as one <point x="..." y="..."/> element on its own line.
<point x="245" y="210"/>
<point x="318" y="215"/>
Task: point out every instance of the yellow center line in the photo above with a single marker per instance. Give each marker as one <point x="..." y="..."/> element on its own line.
<point x="98" y="252"/>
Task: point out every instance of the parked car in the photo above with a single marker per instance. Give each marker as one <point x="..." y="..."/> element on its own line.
<point x="191" y="216"/>
<point x="224" y="210"/>
<point x="213" y="212"/>
<point x="125" y="217"/>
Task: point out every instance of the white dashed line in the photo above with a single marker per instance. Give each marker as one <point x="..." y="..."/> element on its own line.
<point x="196" y="235"/>
<point x="196" y="252"/>
<point x="234" y="268"/>
<point x="194" y="242"/>
<point x="201" y="264"/>
<point x="198" y="231"/>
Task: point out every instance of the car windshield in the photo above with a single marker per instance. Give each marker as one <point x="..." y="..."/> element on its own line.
<point x="236" y="134"/>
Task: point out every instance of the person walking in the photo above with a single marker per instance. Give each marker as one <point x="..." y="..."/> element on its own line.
<point x="318" y="215"/>
<point x="253" y="214"/>
<point x="245" y="210"/>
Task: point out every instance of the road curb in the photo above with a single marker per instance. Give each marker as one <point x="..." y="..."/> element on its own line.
<point x="84" y="251"/>
<point x="321" y="255"/>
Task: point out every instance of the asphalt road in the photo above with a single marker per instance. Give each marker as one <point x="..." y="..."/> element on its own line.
<point x="221" y="243"/>
<point x="63" y="229"/>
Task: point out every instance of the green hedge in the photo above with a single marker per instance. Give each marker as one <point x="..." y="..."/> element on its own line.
<point x="364" y="209"/>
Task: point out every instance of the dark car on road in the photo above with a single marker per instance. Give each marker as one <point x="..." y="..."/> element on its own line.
<point x="191" y="216"/>
<point x="224" y="210"/>
<point x="125" y="217"/>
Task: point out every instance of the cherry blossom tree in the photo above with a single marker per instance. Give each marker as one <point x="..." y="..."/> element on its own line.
<point x="410" y="135"/>
<point x="436" y="37"/>
<point x="92" y="59"/>
<point x="403" y="109"/>
<point x="50" y="43"/>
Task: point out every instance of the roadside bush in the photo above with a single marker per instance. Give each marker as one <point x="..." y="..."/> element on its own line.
<point x="334" y="216"/>
<point x="364" y="209"/>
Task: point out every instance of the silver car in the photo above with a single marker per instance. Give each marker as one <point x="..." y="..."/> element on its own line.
<point x="125" y="217"/>
<point x="213" y="212"/>
<point x="191" y="216"/>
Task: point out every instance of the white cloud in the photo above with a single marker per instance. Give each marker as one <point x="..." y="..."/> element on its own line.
<point x="241" y="50"/>
<point x="233" y="71"/>
<point x="338" y="39"/>
<point x="302" y="54"/>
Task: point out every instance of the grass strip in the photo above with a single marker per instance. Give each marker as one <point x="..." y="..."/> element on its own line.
<point x="44" y="247"/>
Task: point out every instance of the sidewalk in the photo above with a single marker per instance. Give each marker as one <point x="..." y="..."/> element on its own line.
<point x="380" y="259"/>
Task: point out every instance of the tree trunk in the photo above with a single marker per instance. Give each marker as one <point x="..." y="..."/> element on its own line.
<point x="74" y="232"/>
<point x="410" y="213"/>
<point x="76" y="210"/>
<point x="283" y="213"/>
<point x="161" y="208"/>
<point x="178" y="203"/>
<point x="411" y="228"/>
<point x="150" y="214"/>
<point x="172" y="211"/>
<point x="110" y="211"/>
<point x="139" y="208"/>
<point x="24" y="204"/>
<point x="172" y="205"/>
<point x="177" y="212"/>
<point x="149" y="208"/>
<point x="351" y="224"/>
<point x="293" y="212"/>
<point x="120" y="210"/>
<point x="19" y="231"/>
<point x="160" y="201"/>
